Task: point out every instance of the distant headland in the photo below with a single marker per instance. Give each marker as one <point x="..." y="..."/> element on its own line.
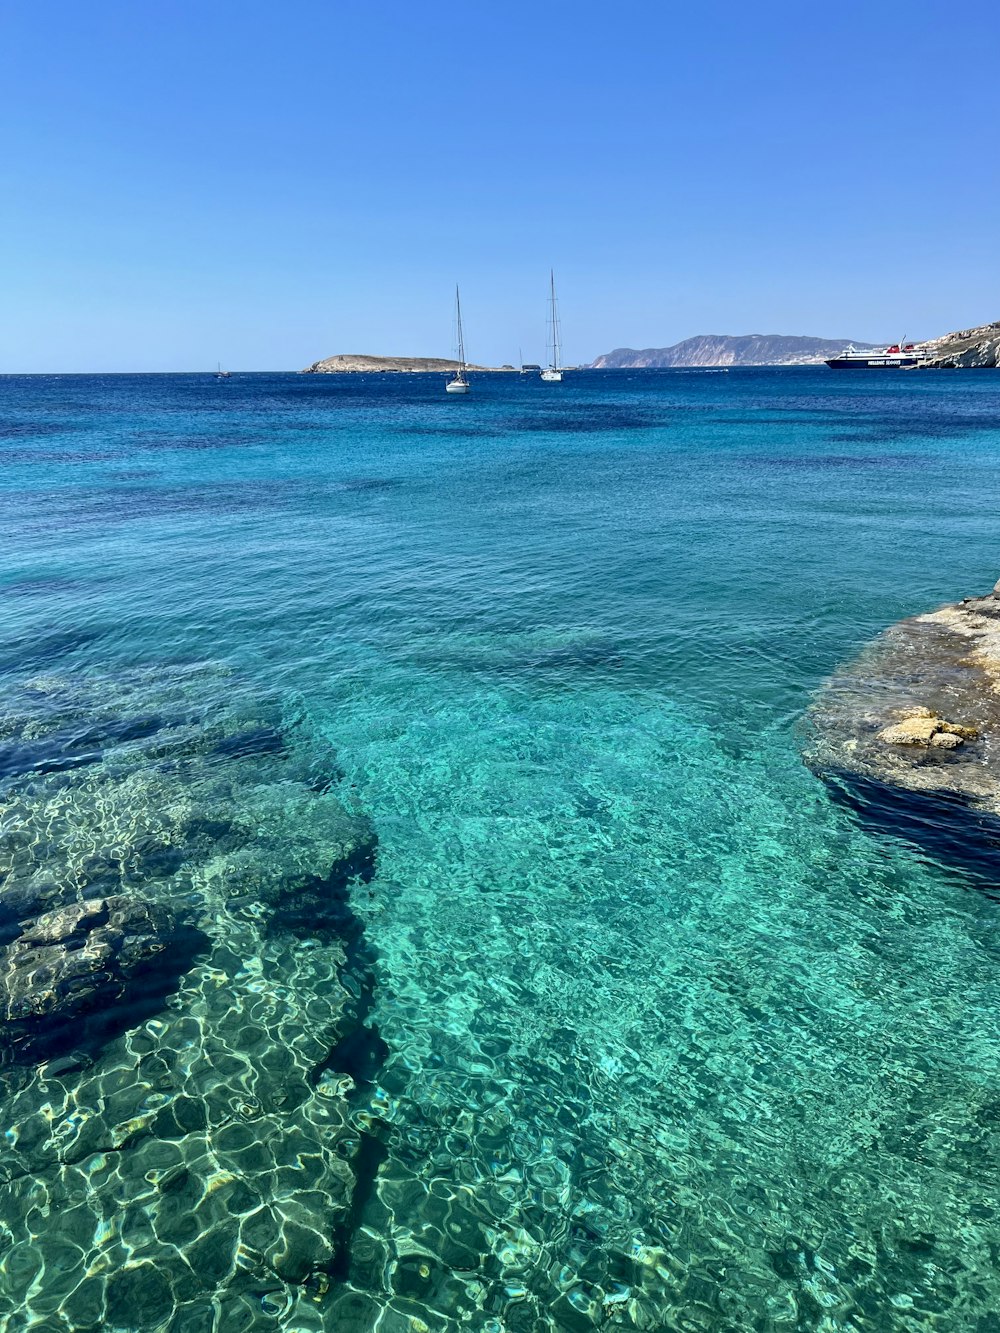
<point x="969" y="349"/>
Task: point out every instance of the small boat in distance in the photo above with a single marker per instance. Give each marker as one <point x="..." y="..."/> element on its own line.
<point x="460" y="384"/>
<point x="894" y="357"/>
<point x="553" y="372"/>
<point x="221" y="374"/>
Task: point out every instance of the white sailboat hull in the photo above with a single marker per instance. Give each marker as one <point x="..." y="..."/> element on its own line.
<point x="552" y="376"/>
<point x="456" y="386"/>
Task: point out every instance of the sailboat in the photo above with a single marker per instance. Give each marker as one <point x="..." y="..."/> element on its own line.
<point x="221" y="374"/>
<point x="553" y="372"/>
<point x="460" y="384"/>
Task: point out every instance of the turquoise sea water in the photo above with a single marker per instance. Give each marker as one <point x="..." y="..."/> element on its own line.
<point x="663" y="1039"/>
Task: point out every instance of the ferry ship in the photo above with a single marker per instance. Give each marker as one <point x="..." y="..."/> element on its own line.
<point x="893" y="357"/>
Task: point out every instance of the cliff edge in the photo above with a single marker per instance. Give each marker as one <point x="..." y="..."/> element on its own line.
<point x="970" y="349"/>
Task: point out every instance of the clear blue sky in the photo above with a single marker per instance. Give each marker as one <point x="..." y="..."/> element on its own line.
<point x="267" y="184"/>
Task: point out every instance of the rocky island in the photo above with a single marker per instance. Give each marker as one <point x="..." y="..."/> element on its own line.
<point x="349" y="362"/>
<point x="908" y="732"/>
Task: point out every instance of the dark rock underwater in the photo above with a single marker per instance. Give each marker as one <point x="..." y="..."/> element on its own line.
<point x="166" y="879"/>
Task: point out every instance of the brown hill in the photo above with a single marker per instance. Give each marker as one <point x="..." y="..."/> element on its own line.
<point x="346" y="362"/>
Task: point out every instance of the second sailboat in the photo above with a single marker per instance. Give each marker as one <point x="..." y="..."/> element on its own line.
<point x="553" y="373"/>
<point x="460" y="384"/>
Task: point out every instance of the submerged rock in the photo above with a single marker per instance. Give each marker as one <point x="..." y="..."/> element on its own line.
<point x="82" y="957"/>
<point x="189" y="803"/>
<point x="295" y="855"/>
<point x="917" y="717"/>
<point x="212" y="1090"/>
<point x="200" y="1130"/>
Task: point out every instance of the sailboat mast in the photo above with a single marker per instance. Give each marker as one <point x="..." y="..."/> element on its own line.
<point x="555" y="322"/>
<point x="461" y="340"/>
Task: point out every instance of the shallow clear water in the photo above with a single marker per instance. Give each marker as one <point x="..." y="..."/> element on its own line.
<point x="670" y="1040"/>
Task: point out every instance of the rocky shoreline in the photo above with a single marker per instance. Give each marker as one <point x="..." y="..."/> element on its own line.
<point x="969" y="349"/>
<point x="909" y="732"/>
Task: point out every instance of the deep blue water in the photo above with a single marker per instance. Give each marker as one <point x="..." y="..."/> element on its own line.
<point x="670" y="1040"/>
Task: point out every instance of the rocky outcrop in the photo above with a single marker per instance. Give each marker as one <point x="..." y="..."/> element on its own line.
<point x="714" y="349"/>
<point x="345" y="363"/>
<point x="919" y="726"/>
<point x="911" y="728"/>
<point x="969" y="349"/>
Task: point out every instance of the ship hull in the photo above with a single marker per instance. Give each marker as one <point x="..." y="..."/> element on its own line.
<point x="872" y="362"/>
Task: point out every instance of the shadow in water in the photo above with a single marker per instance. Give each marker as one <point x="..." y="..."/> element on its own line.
<point x="75" y="747"/>
<point x="38" y="652"/>
<point x="944" y="826"/>
<point x="76" y="1036"/>
<point x="360" y="1052"/>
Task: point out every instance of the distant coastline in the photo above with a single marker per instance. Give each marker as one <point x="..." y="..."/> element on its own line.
<point x="973" y="348"/>
<point x="969" y="349"/>
<point x="722" y="349"/>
